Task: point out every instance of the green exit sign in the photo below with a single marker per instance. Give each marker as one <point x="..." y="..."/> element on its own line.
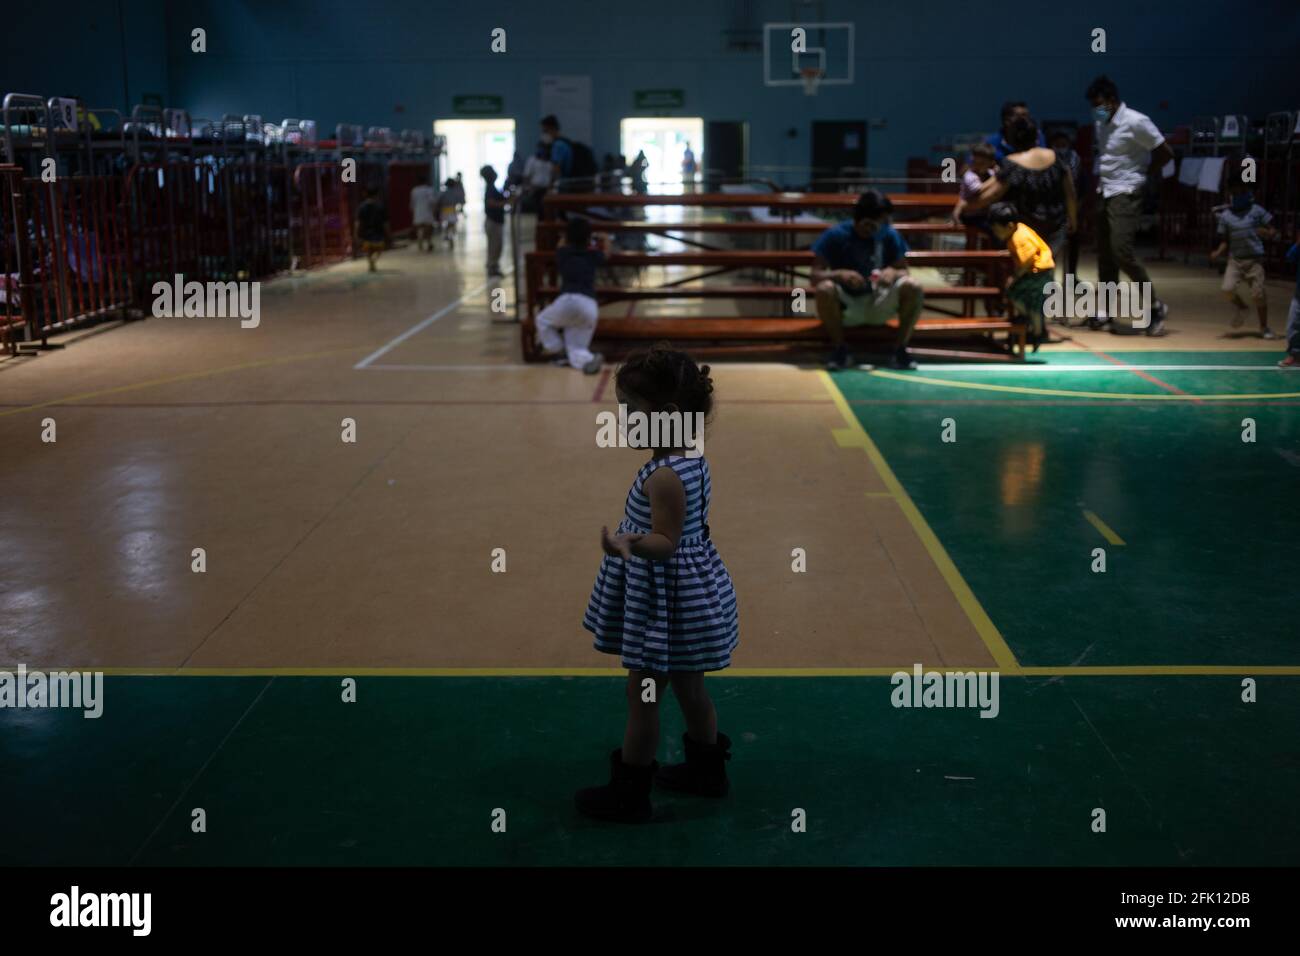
<point x="659" y="99"/>
<point x="478" y="104"/>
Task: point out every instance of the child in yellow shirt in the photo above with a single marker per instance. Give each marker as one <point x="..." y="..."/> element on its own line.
<point x="1034" y="267"/>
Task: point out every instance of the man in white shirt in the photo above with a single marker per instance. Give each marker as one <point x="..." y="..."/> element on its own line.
<point x="1128" y="146"/>
<point x="422" y="199"/>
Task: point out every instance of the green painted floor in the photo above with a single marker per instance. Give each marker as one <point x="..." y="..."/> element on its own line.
<point x="1187" y="773"/>
<point x="1210" y="523"/>
<point x="411" y="772"/>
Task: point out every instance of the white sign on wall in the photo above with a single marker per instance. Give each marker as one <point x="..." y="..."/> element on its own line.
<point x="67" y="112"/>
<point x="569" y="98"/>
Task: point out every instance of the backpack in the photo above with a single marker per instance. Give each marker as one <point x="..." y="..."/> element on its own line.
<point x="584" y="160"/>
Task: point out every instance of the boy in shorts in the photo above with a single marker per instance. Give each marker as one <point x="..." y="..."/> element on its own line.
<point x="1034" y="267"/>
<point x="860" y="278"/>
<point x="1244" y="226"/>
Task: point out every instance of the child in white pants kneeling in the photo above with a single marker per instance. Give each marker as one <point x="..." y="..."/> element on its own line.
<point x="566" y="326"/>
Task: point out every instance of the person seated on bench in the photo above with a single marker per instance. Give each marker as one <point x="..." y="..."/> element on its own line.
<point x="860" y="278"/>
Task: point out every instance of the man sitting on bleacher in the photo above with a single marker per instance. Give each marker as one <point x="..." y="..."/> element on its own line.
<point x="860" y="278"/>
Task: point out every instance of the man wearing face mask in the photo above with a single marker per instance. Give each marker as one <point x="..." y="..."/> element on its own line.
<point x="1128" y="146"/>
<point x="860" y="277"/>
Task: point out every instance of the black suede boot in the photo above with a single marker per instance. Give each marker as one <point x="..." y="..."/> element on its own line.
<point x="705" y="771"/>
<point x="625" y="799"/>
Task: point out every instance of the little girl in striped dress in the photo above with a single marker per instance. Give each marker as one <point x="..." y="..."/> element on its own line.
<point x="663" y="601"/>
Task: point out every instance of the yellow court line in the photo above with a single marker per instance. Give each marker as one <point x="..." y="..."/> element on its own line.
<point x="186" y="377"/>
<point x="982" y="623"/>
<point x="1136" y="670"/>
<point x="1065" y="393"/>
<point x="1104" y="528"/>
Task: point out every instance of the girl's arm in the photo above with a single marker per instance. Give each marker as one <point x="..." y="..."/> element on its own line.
<point x="992" y="190"/>
<point x="667" y="514"/>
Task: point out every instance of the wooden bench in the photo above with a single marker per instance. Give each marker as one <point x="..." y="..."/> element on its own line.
<point x="553" y="203"/>
<point x="614" y="293"/>
<point x="734" y="329"/>
<point x="994" y="263"/>
<point x="548" y="233"/>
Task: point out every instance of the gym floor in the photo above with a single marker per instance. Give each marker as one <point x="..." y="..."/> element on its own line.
<point x="479" y="691"/>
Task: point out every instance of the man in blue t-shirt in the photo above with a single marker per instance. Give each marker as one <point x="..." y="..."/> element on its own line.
<point x="860" y="277"/>
<point x="1011" y="111"/>
<point x="561" y="152"/>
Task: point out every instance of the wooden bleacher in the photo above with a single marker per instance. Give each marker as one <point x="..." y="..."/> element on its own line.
<point x="785" y="264"/>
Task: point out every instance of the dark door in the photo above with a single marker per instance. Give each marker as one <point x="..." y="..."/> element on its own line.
<point x="726" y="150"/>
<point x="839" y="148"/>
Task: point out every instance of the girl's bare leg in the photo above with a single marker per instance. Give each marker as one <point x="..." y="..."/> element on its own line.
<point x="641" y="738"/>
<point x="697" y="706"/>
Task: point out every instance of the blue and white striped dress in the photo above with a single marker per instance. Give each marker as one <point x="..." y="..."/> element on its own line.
<point x="674" y="615"/>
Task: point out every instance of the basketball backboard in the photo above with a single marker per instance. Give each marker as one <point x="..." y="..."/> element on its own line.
<point x="789" y="48"/>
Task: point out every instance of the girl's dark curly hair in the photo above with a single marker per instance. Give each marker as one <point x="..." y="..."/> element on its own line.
<point x="663" y="375"/>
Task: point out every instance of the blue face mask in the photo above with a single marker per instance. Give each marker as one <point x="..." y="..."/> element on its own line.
<point x="1101" y="114"/>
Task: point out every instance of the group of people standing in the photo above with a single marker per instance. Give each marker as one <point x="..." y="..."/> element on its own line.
<point x="1043" y="182"/>
<point x="1025" y="194"/>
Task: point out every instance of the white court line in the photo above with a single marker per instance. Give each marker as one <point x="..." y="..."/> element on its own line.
<point x="421" y="326"/>
<point x="502" y="367"/>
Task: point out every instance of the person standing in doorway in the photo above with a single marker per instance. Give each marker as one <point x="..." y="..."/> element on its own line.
<point x="460" y="194"/>
<point x="1128" y="146"/>
<point x="689" y="168"/>
<point x="494" y="224"/>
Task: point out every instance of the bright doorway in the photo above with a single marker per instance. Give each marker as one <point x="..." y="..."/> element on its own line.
<point x="664" y="140"/>
<point x="471" y="145"/>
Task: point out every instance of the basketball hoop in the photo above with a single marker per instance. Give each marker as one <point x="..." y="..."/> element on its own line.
<point x="811" y="77"/>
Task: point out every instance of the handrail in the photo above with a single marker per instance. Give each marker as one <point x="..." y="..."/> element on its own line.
<point x="16" y="99"/>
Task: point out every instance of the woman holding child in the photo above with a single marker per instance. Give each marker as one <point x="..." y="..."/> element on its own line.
<point x="1038" y="183"/>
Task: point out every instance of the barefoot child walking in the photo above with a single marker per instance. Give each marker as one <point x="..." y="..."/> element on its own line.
<point x="663" y="600"/>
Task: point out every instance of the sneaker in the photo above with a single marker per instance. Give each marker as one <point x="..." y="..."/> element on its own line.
<point x="840" y="359"/>
<point x="902" y="360"/>
<point x="1267" y="334"/>
<point x="1099" y="322"/>
<point x="1292" y="360"/>
<point x="594" y="364"/>
<point x="1160" y="312"/>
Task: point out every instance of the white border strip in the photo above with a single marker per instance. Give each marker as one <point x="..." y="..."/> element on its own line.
<point x="420" y="326"/>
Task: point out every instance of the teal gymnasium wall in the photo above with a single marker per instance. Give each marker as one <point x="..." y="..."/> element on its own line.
<point x="928" y="70"/>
